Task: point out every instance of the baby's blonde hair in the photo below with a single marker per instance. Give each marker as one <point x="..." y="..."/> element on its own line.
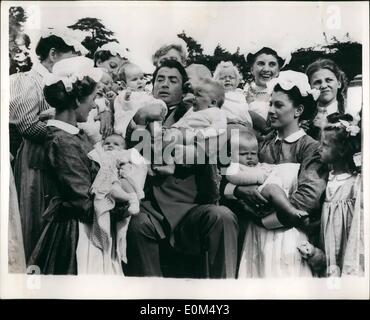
<point x="225" y="65"/>
<point x="219" y="90"/>
<point x="200" y="70"/>
<point x="123" y="70"/>
<point x="244" y="135"/>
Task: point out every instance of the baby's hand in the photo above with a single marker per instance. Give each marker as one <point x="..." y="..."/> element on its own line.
<point x="162" y="109"/>
<point x="128" y="94"/>
<point x="102" y="103"/>
<point x="305" y="125"/>
<point x="111" y="95"/>
<point x="125" y="170"/>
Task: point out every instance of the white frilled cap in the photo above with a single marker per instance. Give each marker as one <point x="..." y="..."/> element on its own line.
<point x="69" y="36"/>
<point x="114" y="48"/>
<point x="282" y="49"/>
<point x="288" y="79"/>
<point x="72" y="69"/>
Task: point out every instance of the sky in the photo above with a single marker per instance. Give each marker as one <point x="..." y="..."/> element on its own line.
<point x="144" y="26"/>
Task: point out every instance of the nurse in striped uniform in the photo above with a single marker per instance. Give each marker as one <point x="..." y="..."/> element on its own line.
<point x="27" y="102"/>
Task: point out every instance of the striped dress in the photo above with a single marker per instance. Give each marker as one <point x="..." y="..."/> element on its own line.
<point x="26" y="103"/>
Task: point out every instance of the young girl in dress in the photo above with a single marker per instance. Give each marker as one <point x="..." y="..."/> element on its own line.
<point x="340" y="142"/>
<point x="326" y="76"/>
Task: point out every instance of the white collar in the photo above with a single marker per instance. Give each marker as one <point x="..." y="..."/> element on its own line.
<point x="332" y="107"/>
<point x="63" y="126"/>
<point x="339" y="177"/>
<point x="293" y="137"/>
<point x="40" y="69"/>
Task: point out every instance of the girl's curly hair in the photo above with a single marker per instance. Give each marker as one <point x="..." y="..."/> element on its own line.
<point x="350" y="144"/>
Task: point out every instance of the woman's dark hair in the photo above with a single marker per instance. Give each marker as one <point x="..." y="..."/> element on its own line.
<point x="307" y="102"/>
<point x="102" y="55"/>
<point x="57" y="96"/>
<point x="251" y="57"/>
<point x="350" y="144"/>
<point x="46" y="44"/>
<point x="172" y="64"/>
<point x="339" y="74"/>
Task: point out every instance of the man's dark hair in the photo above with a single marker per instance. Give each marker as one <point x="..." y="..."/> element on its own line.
<point x="172" y="64"/>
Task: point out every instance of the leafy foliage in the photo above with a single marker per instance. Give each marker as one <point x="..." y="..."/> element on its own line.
<point x="99" y="34"/>
<point x="347" y="54"/>
<point x="19" y="42"/>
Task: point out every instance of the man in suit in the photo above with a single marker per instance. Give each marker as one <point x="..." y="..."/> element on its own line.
<point x="172" y="210"/>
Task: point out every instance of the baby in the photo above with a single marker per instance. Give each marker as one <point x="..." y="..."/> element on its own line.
<point x="276" y="182"/>
<point x="102" y="102"/>
<point x="196" y="73"/>
<point x="203" y="121"/>
<point x="133" y="98"/>
<point x="122" y="173"/>
<point x="235" y="104"/>
<point x="121" y="177"/>
<point x="132" y="76"/>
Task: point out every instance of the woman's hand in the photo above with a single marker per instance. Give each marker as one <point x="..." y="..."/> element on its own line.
<point x="149" y="113"/>
<point x="250" y="195"/>
<point x="47" y="114"/>
<point x="305" y="125"/>
<point x="106" y="127"/>
<point x="111" y="95"/>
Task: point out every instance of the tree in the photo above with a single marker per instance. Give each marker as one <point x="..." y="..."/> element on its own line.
<point x="17" y="18"/>
<point x="347" y="55"/>
<point x="99" y="34"/>
<point x="195" y="50"/>
<point x="19" y="42"/>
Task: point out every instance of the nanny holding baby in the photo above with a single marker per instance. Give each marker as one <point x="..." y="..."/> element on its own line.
<point x="270" y="245"/>
<point x="71" y="91"/>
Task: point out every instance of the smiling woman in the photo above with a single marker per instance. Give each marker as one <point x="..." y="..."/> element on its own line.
<point x="265" y="65"/>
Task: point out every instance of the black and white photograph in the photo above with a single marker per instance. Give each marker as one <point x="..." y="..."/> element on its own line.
<point x="197" y="150"/>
